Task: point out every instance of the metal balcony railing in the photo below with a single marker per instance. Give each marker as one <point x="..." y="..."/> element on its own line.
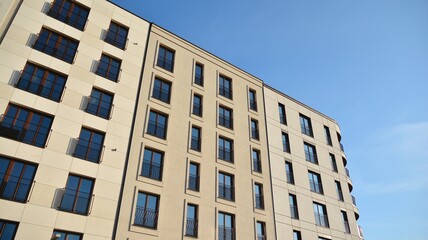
<point x="146" y="217"/>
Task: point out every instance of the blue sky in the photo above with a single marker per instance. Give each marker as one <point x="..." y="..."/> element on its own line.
<point x="364" y="63"/>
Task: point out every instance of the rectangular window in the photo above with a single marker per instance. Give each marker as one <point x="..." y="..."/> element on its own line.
<point x="225" y="117"/>
<point x="25" y="125"/>
<point x="255" y="129"/>
<point x="225" y="186"/>
<point x="8" y="229"/>
<point x="117" y="35"/>
<point x="282" y="116"/>
<point x="226" y="226"/>
<point x="63" y="235"/>
<point x="297" y="235"/>
<point x="109" y="67"/>
<point x="197" y="105"/>
<point x="193" y="183"/>
<point x="333" y="162"/>
<point x="192" y="220"/>
<point x="146" y="212"/>
<point x="258" y="196"/>
<point x="253" y="99"/>
<point x="285" y="143"/>
<point x="225" y="87"/>
<point x="294" y="211"/>
<point x="306" y="125"/>
<point x="90" y="145"/>
<point x="157" y="125"/>
<point x="310" y="153"/>
<point x="161" y="90"/>
<point x="42" y="82"/>
<point x="321" y="218"/>
<point x="152" y="164"/>
<point x="56" y="45"/>
<point x="339" y="191"/>
<point x="16" y="179"/>
<point x="225" y="149"/>
<point x="315" y="182"/>
<point x="346" y="222"/>
<point x="77" y="195"/>
<point x="199" y="74"/>
<point x="195" y="143"/>
<point x="257" y="163"/>
<point x="166" y="58"/>
<point x="289" y="172"/>
<point x="70" y="13"/>
<point x="100" y="103"/>
<point x="261" y="230"/>
<point x="327" y="136"/>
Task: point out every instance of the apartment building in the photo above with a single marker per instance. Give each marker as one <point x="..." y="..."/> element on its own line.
<point x="115" y="128"/>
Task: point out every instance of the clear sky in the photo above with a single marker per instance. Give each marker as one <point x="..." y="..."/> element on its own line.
<point x="361" y="62"/>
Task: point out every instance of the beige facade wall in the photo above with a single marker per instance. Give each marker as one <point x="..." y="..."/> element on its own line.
<point x="39" y="216"/>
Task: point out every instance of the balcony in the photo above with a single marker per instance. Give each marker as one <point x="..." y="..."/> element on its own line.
<point x="146" y="217"/>
<point x="192" y="227"/>
<point x="226" y="233"/>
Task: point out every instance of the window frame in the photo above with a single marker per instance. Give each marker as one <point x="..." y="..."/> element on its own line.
<point x="199" y="80"/>
<point x="223" y="151"/>
<point x="252" y="99"/>
<point x="255" y="133"/>
<point x="105" y="66"/>
<point x="261" y="230"/>
<point x="159" y="92"/>
<point x="285" y="142"/>
<point x="339" y="190"/>
<point x="192" y="222"/>
<point x="321" y="218"/>
<point x="196" y="140"/>
<point x="257" y="162"/>
<point x="76" y="196"/>
<point x="289" y="172"/>
<point x="58" y="14"/>
<point x="45" y="39"/>
<point x="225" y="117"/>
<point x="154" y="213"/>
<point x="163" y="129"/>
<point x="5" y="223"/>
<point x="99" y="103"/>
<point x="226" y="231"/>
<point x="315" y="182"/>
<point x="112" y="36"/>
<point x="294" y="209"/>
<point x="197" y="108"/>
<point x="194" y="179"/>
<point x="161" y="60"/>
<point x="306" y="125"/>
<point x="259" y="202"/>
<point x="223" y="90"/>
<point x="333" y="162"/>
<point x="345" y="222"/>
<point x="87" y="149"/>
<point x="67" y="233"/>
<point x="282" y="114"/>
<point x="151" y="168"/>
<point x="226" y="186"/>
<point x="327" y="134"/>
<point x="310" y="153"/>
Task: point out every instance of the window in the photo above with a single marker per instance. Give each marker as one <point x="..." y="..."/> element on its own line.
<point x="166" y="58"/>
<point x="293" y="206"/>
<point x="225" y="87"/>
<point x="42" y="82"/>
<point x="152" y="164"/>
<point x="8" y="229"/>
<point x="282" y="116"/>
<point x="199" y="74"/>
<point x="192" y="220"/>
<point x="25" y="125"/>
<point x="261" y="230"/>
<point x="321" y="218"/>
<point x="257" y="163"/>
<point x="310" y="153"/>
<point x="157" y="125"/>
<point x="195" y="143"/>
<point x="56" y="45"/>
<point x="339" y="191"/>
<point x="90" y="145"/>
<point x="63" y="235"/>
<point x="346" y="222"/>
<point x="162" y="90"/>
<point x="16" y="179"/>
<point x="285" y="143"/>
<point x="315" y="182"/>
<point x="254" y="129"/>
<point x="297" y="235"/>
<point x="258" y="196"/>
<point x="225" y="186"/>
<point x="197" y="105"/>
<point x="327" y="136"/>
<point x="193" y="183"/>
<point x="109" y="68"/>
<point x="226" y="226"/>
<point x="333" y="162"/>
<point x="146" y="212"/>
<point x="305" y="125"/>
<point x="225" y="117"/>
<point x="77" y="195"/>
<point x="225" y="149"/>
<point x="253" y="100"/>
<point x="100" y="103"/>
<point x="289" y="172"/>
<point x="117" y="35"/>
<point x="69" y="12"/>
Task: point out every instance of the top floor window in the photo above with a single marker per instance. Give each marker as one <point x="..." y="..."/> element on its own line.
<point x="42" y="82"/>
<point x="56" y="45"/>
<point x="25" y="125"/>
<point x="282" y="116"/>
<point x="305" y="125"/>
<point x="199" y="74"/>
<point x="166" y="58"/>
<point x="225" y="87"/>
<point x="69" y="12"/>
<point x="253" y="100"/>
<point x="117" y="35"/>
<point x="327" y="136"/>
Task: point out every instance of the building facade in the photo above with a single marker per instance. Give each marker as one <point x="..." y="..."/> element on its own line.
<point x="114" y="128"/>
